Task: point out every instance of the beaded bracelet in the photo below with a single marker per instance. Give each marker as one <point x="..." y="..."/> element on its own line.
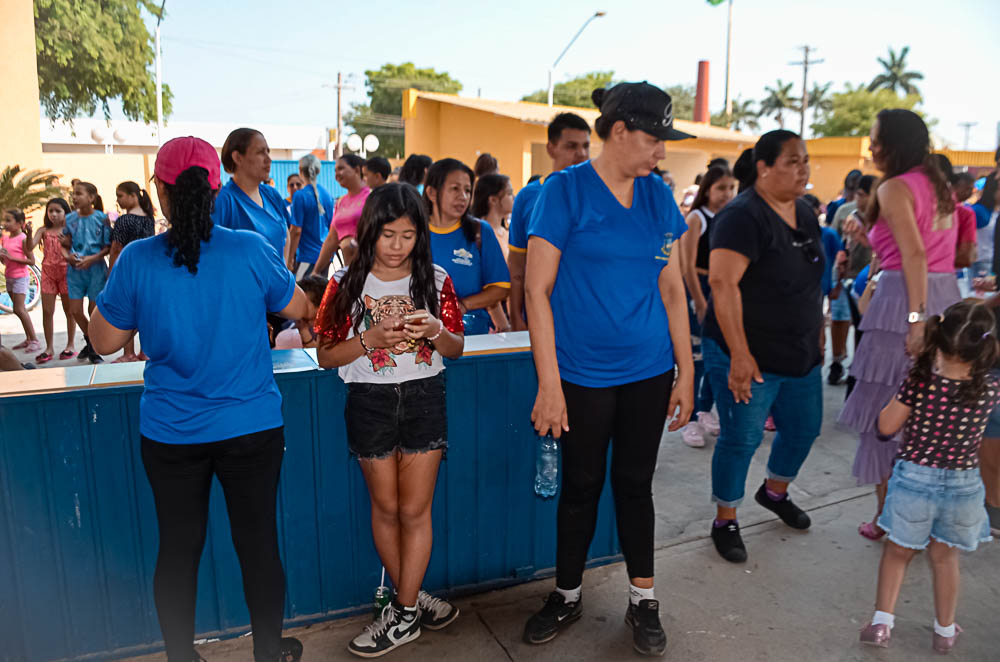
<point x="364" y="345"/>
<point x="440" y="331"/>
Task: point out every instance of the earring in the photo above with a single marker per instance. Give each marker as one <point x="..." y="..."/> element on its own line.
<point x="765" y="174"/>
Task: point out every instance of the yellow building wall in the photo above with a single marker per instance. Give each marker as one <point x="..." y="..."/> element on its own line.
<point x="105" y="171"/>
<point x="20" y="140"/>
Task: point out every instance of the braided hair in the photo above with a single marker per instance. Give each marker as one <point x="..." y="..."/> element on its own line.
<point x="964" y="333"/>
<point x="191" y="202"/>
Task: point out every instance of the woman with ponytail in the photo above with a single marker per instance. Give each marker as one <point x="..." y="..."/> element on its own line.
<point x="312" y="213"/>
<point x="911" y="227"/>
<point x="210" y="406"/>
<point x="137" y="222"/>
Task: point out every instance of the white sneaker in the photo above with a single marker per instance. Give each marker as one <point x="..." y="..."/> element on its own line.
<point x="693" y="435"/>
<point x="710" y="422"/>
<point x="435" y="613"/>
<point x="387" y="632"/>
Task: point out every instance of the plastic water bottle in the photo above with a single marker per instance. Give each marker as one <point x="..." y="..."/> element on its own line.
<point x="547" y="467"/>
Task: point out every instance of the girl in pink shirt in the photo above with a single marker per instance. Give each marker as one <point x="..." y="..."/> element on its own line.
<point x="347" y="211"/>
<point x="914" y="234"/>
<point x="16" y="255"/>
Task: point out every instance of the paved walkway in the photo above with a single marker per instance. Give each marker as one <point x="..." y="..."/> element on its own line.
<point x="801" y="596"/>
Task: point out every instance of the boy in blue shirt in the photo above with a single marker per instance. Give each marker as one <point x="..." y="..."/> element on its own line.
<point x="87" y="236"/>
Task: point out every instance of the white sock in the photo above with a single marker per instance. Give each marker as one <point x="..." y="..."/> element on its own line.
<point x="944" y="631"/>
<point x="884" y="618"/>
<point x="570" y="595"/>
<point x="635" y="594"/>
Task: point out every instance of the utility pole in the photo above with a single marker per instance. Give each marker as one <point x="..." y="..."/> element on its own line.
<point x="159" y="80"/>
<point x="340" y="86"/>
<point x="805" y="82"/>
<point x="729" y="62"/>
<point x="967" y="126"/>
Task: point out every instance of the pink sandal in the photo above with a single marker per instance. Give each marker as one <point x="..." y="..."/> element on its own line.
<point x="871" y="531"/>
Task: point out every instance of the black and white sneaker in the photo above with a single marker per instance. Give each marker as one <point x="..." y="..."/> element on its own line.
<point x="729" y="542"/>
<point x="648" y="636"/>
<point x="392" y="629"/>
<point x="435" y="613"/>
<point x="554" y="616"/>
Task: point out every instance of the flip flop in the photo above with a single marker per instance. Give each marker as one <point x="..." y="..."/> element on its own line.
<point x="66" y="354"/>
<point x="44" y="357"/>
<point x="871" y="531"/>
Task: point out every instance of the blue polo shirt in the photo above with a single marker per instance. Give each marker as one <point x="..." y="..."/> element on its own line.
<point x="315" y="226"/>
<point x="472" y="268"/>
<point x="611" y="326"/>
<point x="209" y="374"/>
<point x="524" y="203"/>
<point x="235" y="210"/>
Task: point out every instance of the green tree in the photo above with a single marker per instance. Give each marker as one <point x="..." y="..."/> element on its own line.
<point x="778" y="101"/>
<point x="744" y="116"/>
<point x="895" y="74"/>
<point x="575" y="92"/>
<point x="820" y="100"/>
<point x="853" y="111"/>
<point x="29" y="192"/>
<point x="682" y="98"/>
<point x="382" y="115"/>
<point x="91" y="52"/>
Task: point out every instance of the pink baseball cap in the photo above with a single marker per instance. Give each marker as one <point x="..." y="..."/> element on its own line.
<point x="179" y="154"/>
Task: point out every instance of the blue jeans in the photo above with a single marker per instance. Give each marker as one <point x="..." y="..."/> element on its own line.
<point x="797" y="406"/>
<point x="703" y="397"/>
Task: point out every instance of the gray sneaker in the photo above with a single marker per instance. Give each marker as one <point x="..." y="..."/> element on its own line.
<point x="994" y="514"/>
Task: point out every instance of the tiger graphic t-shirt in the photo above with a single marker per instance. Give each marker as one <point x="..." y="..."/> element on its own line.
<point x="409" y="359"/>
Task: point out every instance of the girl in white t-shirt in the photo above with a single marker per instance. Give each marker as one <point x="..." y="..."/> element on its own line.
<point x="385" y="322"/>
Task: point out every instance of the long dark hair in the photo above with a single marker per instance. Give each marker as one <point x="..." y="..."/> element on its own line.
<point x="436" y="176"/>
<point x="988" y="198"/>
<point x="385" y="205"/>
<point x="714" y="174"/>
<point x="486" y="187"/>
<point x="144" y="202"/>
<point x="59" y="202"/>
<point x="191" y="202"/>
<point x="744" y="170"/>
<point x="966" y="333"/>
<point x="906" y="144"/>
<point x="414" y="169"/>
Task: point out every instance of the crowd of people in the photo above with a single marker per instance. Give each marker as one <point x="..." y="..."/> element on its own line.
<point x="717" y="304"/>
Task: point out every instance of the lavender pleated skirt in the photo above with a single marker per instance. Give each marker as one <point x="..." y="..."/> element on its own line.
<point x="880" y="365"/>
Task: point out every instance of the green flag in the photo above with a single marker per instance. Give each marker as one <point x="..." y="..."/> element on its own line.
<point x="715" y="3"/>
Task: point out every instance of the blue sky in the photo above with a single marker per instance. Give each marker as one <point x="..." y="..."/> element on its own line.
<point x="257" y="61"/>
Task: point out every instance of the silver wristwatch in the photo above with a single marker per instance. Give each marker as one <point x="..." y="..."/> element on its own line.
<point x="915" y="317"/>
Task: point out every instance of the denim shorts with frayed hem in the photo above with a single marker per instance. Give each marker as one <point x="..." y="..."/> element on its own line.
<point x="944" y="504"/>
<point x="409" y="417"/>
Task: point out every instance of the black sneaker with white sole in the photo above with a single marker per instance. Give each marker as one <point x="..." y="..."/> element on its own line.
<point x="393" y="628"/>
<point x="729" y="542"/>
<point x="435" y="613"/>
<point x="648" y="636"/>
<point x="554" y="616"/>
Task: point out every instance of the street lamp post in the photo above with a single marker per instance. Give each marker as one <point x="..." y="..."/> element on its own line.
<point x="555" y="64"/>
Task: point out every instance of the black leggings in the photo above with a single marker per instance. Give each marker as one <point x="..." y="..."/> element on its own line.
<point x="633" y="415"/>
<point x="181" y="476"/>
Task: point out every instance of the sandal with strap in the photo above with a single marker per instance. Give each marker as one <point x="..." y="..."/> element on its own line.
<point x="44" y="357"/>
<point x="66" y="354"/>
<point x="871" y="531"/>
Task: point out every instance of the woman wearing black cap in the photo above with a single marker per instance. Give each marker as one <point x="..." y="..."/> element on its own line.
<point x="610" y="337"/>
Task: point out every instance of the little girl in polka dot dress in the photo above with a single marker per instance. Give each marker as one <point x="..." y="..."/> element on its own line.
<point x="936" y="497"/>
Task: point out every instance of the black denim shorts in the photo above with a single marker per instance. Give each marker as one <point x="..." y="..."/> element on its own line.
<point x="409" y="417"/>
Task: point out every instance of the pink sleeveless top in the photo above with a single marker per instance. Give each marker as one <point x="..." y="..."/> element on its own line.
<point x="347" y="213"/>
<point x="53" y="258"/>
<point x="938" y="244"/>
<point x="15" y="248"/>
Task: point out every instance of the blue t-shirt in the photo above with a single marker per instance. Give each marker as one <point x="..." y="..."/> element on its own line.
<point x="831" y="209"/>
<point x="610" y="324"/>
<point x="861" y="281"/>
<point x="305" y="214"/>
<point x="524" y="204"/>
<point x="831" y="246"/>
<point x="209" y="374"/>
<point x="472" y="268"/>
<point x="983" y="215"/>
<point x="235" y="210"/>
<point x="91" y="233"/>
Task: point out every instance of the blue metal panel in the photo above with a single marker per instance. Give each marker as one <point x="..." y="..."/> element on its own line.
<point x="280" y="170"/>
<point x="78" y="536"/>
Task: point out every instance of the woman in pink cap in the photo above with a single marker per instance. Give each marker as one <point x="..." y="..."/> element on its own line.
<point x="209" y="407"/>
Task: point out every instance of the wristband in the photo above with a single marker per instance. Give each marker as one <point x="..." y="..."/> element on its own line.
<point x="440" y="331"/>
<point x="364" y="345"/>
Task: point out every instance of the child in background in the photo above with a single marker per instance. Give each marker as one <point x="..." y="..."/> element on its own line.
<point x="88" y="236"/>
<point x="935" y="499"/>
<point x="54" y="279"/>
<point x="302" y="335"/>
<point x="136" y="222"/>
<point x="379" y="324"/>
<point x="16" y="255"/>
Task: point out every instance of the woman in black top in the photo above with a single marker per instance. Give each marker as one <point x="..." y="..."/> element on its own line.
<point x="761" y="339"/>
<point x="717" y="189"/>
<point x="137" y="222"/>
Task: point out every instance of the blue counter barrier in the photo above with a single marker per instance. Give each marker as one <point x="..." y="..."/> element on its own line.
<point x="78" y="533"/>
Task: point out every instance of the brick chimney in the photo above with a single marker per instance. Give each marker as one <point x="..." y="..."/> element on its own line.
<point x="701" y="94"/>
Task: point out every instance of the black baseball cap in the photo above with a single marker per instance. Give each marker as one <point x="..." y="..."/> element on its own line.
<point x="641" y="106"/>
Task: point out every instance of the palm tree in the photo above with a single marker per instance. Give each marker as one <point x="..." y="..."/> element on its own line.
<point x="820" y="99"/>
<point x="743" y="117"/>
<point x="896" y="75"/>
<point x="30" y="192"/>
<point x="779" y="100"/>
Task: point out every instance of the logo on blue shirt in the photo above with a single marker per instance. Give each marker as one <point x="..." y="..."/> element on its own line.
<point x="668" y="246"/>
<point x="462" y="256"/>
